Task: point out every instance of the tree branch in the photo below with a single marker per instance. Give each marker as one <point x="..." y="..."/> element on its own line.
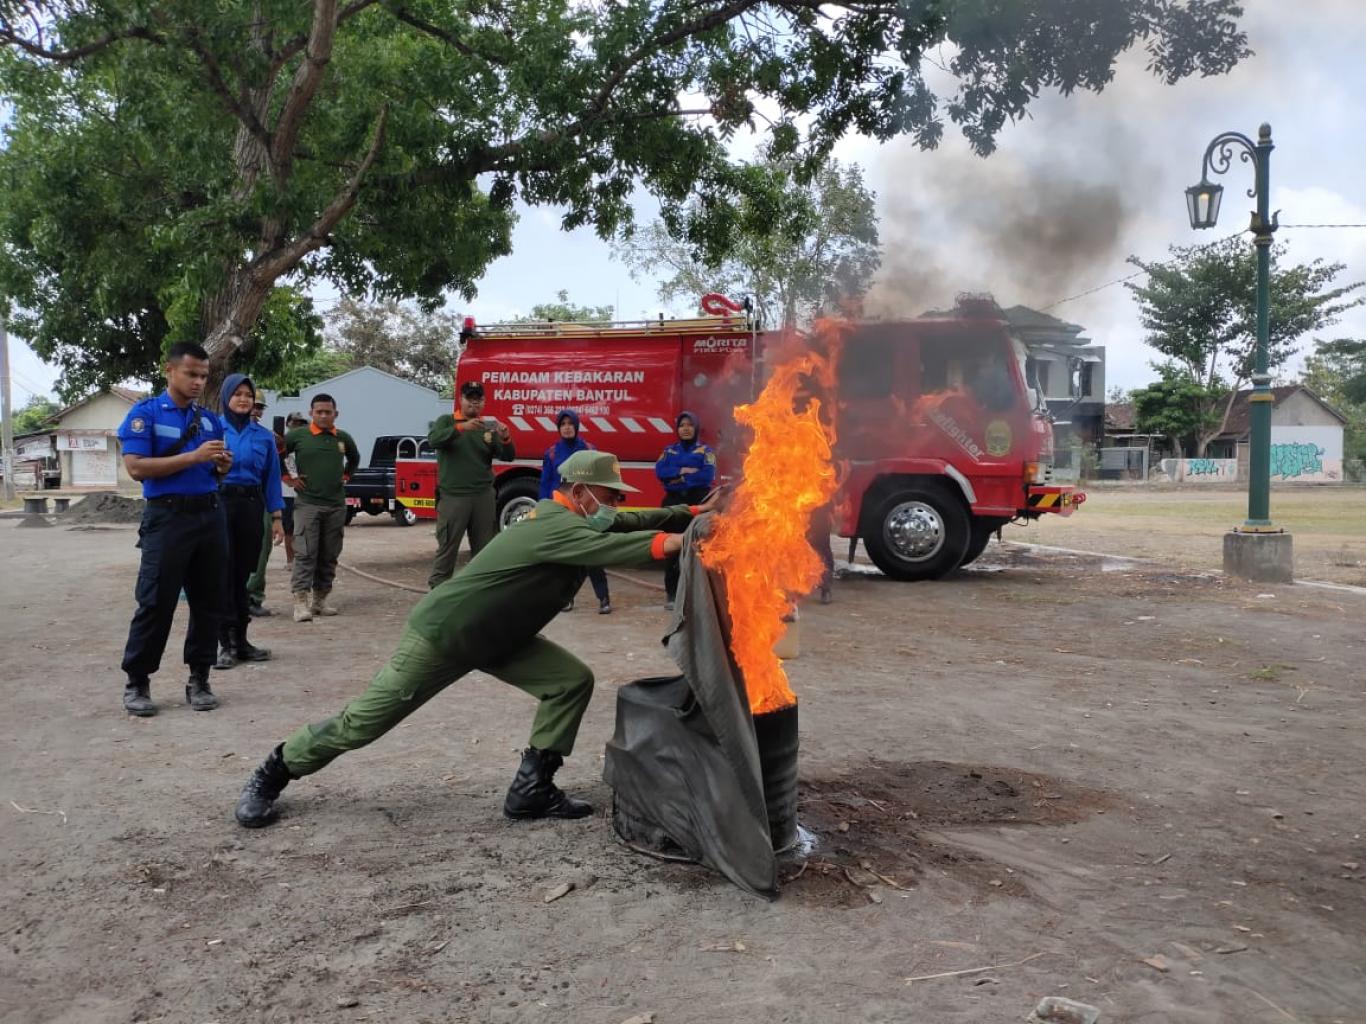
<point x="281" y="260"/>
<point x="237" y="104"/>
<point x="292" y="48"/>
<point x="10" y="37"/>
<point x="436" y="32"/>
<point x="309" y="76"/>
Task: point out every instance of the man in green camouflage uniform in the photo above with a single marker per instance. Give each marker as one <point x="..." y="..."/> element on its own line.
<point x="489" y="618"/>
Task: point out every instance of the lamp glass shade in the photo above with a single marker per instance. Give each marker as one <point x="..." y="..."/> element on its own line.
<point x="1202" y="203"/>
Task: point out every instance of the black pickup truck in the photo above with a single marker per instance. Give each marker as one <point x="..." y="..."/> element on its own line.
<point x="371" y="488"/>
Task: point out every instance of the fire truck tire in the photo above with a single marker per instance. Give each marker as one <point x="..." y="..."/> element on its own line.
<point x="920" y="532"/>
<point x="515" y="499"/>
<point x="404" y="516"/>
<point x="982" y="532"/>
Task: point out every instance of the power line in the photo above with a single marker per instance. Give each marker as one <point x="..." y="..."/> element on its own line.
<point x="1167" y="263"/>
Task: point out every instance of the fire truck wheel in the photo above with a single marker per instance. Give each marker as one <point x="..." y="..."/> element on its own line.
<point x="982" y="532"/>
<point x="918" y="533"/>
<point x="404" y="516"/>
<point x="515" y="499"/>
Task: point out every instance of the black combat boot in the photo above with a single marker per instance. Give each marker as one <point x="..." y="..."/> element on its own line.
<point x="247" y="651"/>
<point x="197" y="692"/>
<point x="227" y="650"/>
<point x="137" y="697"/>
<point x="256" y="805"/>
<point x="533" y="793"/>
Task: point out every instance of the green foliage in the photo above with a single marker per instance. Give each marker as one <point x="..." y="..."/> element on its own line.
<point x="399" y="339"/>
<point x="1180" y="407"/>
<point x="167" y="164"/>
<point x="295" y="377"/>
<point x="800" y="244"/>
<point x="1336" y="372"/>
<point x="1200" y="311"/>
<point x="564" y="310"/>
<point x="33" y="415"/>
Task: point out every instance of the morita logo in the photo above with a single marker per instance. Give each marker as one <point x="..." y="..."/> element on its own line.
<point x="720" y="344"/>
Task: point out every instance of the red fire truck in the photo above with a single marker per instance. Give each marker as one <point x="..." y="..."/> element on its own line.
<point x="941" y="437"/>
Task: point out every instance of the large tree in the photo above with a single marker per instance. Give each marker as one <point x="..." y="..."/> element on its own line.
<point x="170" y="162"/>
<point x="1200" y="312"/>
<point x="565" y="311"/>
<point x="805" y="242"/>
<point x="1337" y="373"/>
<point x="397" y="338"/>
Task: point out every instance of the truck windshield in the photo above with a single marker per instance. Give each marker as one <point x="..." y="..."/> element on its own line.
<point x="981" y="368"/>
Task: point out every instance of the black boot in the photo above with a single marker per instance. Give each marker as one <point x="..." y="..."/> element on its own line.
<point x="256" y="805"/>
<point x="137" y="697"/>
<point x="533" y="793"/>
<point x="197" y="692"/>
<point x="227" y="650"/>
<point x="247" y="651"/>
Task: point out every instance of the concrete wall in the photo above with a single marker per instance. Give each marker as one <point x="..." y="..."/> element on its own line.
<point x="1311" y="454"/>
<point x="1200" y="471"/>
<point x="369" y="403"/>
<point x="1301" y="410"/>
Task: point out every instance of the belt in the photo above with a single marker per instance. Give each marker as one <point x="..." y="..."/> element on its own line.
<point x="239" y="491"/>
<point x="186" y="502"/>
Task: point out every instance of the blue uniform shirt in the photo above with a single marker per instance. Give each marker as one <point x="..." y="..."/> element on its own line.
<point x="153" y="426"/>
<point x="554" y="459"/>
<point x="674" y="458"/>
<point x="255" y="462"/>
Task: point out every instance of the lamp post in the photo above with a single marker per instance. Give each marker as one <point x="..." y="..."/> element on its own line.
<point x="1270" y="560"/>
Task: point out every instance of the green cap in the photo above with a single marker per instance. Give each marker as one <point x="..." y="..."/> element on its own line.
<point x="596" y="469"/>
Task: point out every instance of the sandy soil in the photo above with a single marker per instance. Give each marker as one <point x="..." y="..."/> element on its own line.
<point x="1040" y="768"/>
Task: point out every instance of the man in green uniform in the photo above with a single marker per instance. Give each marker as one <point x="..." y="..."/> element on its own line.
<point x="489" y="618"/>
<point x="324" y="457"/>
<point x="466" y="445"/>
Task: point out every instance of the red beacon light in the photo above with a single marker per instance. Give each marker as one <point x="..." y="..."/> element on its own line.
<point x="467" y="327"/>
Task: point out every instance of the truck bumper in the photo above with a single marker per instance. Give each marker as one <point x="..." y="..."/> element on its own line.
<point x="1061" y="500"/>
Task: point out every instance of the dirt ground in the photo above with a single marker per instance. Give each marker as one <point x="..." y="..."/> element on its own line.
<point x="1142" y="789"/>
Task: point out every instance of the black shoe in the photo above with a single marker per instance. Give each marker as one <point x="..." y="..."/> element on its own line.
<point x="227" y="650"/>
<point x="256" y="805"/>
<point x="259" y="611"/>
<point x="197" y="692"/>
<point x="825" y="595"/>
<point x="604" y="607"/>
<point x="569" y="607"/>
<point x="137" y="698"/>
<point x="247" y="651"/>
<point x="533" y="793"/>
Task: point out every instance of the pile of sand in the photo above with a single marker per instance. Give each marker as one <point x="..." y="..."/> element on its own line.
<point x="103" y="508"/>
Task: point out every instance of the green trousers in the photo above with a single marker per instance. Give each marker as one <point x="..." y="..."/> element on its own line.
<point x="256" y="582"/>
<point x="454" y="516"/>
<point x="417" y="672"/>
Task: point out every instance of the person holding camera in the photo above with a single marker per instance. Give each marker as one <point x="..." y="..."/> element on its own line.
<point x="466" y="444"/>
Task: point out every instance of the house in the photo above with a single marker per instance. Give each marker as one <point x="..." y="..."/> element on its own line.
<point x="1306" y="435"/>
<point x="85" y="437"/>
<point x="1069" y="373"/>
<point x="370" y="403"/>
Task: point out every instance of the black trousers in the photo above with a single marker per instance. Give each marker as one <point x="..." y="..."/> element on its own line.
<point x="244" y="519"/>
<point x="184" y="545"/>
<point x="688" y="496"/>
<point x="598" y="577"/>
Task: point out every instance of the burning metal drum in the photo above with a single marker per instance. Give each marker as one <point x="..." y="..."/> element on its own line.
<point x="776" y="733"/>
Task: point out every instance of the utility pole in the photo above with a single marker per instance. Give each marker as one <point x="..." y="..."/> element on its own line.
<point x="6" y="416"/>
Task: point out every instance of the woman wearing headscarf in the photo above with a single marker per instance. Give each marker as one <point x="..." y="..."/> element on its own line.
<point x="567" y="422"/>
<point x="251" y="486"/>
<point x="687" y="470"/>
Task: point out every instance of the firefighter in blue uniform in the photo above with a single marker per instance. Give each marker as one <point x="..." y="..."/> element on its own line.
<point x="688" y="472"/>
<point x="175" y="448"/>
<point x="567" y="422"/>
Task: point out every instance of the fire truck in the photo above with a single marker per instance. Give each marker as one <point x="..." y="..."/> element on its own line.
<point x="941" y="439"/>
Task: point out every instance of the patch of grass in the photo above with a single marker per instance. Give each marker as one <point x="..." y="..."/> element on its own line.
<point x="1270" y="673"/>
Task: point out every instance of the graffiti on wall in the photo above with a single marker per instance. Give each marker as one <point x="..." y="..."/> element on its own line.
<point x="1201" y="471"/>
<point x="1298" y="460"/>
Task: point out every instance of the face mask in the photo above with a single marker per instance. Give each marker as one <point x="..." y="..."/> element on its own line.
<point x="601" y="518"/>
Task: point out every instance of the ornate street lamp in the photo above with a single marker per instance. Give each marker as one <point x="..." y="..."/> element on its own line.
<point x="1202" y="204"/>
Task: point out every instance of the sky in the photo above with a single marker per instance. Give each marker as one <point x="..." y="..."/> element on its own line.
<point x="1074" y="189"/>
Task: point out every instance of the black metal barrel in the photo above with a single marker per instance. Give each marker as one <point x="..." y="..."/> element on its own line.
<point x="776" y="732"/>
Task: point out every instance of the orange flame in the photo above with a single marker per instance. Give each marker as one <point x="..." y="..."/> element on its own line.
<point x="759" y="543"/>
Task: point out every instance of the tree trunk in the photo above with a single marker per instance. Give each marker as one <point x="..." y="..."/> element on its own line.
<point x="227" y="322"/>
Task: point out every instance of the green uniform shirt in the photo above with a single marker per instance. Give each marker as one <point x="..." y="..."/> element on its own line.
<point x="525" y="576"/>
<point x="323" y="461"/>
<point x="464" y="458"/>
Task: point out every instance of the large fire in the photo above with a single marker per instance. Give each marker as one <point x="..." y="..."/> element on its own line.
<point x="759" y="543"/>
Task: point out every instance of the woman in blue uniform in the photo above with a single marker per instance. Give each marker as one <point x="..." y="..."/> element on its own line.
<point x="688" y="472"/>
<point x="250" y="487"/>
<point x="567" y="421"/>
